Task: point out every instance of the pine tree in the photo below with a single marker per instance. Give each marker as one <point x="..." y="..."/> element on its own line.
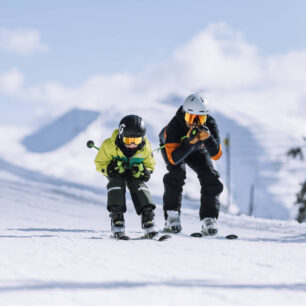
<point x="301" y="201"/>
<point x="301" y="195"/>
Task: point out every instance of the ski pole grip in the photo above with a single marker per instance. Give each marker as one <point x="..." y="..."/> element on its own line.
<point x="91" y="144"/>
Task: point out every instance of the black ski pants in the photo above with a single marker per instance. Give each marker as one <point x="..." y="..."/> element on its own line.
<point x="211" y="186"/>
<point x="140" y="194"/>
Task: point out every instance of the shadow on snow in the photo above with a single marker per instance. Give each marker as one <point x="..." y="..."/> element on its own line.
<point x="40" y="285"/>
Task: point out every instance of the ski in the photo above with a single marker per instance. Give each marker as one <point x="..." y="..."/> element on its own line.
<point x="120" y="237"/>
<point x="156" y="237"/>
<point x="199" y="235"/>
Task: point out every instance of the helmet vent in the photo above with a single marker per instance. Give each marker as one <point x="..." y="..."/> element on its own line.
<point x="195" y="104"/>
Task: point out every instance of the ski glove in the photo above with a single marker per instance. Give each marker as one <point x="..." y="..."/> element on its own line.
<point x="192" y="135"/>
<point x="196" y="134"/>
<point x="204" y="133"/>
<point x="139" y="171"/>
<point x="191" y="138"/>
<point x="116" y="168"/>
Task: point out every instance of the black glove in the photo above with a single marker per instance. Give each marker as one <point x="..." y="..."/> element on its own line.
<point x="117" y="168"/>
<point x="204" y="132"/>
<point x="139" y="171"/>
<point x="191" y="138"/>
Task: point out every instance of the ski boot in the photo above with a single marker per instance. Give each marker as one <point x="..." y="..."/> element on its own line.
<point x="173" y="222"/>
<point x="209" y="226"/>
<point x="147" y="222"/>
<point x="118" y="225"/>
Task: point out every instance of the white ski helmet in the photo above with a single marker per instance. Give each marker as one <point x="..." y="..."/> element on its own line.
<point x="196" y="104"/>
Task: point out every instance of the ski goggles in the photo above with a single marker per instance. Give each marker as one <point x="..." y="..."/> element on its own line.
<point x="130" y="140"/>
<point x="195" y="119"/>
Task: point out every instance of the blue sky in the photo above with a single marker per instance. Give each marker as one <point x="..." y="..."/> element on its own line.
<point x="79" y="39"/>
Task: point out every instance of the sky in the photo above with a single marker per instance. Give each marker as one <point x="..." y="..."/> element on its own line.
<point x="51" y="48"/>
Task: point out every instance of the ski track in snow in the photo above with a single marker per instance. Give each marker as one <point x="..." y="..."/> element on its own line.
<point x="56" y="251"/>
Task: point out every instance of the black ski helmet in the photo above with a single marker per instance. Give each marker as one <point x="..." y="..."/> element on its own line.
<point x="132" y="126"/>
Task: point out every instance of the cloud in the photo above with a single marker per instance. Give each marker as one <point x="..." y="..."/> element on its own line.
<point x="218" y="60"/>
<point x="11" y="82"/>
<point x="22" y="42"/>
<point x="235" y="76"/>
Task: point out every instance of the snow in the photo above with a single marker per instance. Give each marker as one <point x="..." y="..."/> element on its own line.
<point x="56" y="251"/>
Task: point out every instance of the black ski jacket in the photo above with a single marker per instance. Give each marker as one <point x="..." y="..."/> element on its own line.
<point x="176" y="151"/>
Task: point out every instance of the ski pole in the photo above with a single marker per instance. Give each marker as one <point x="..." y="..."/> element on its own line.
<point x="158" y="148"/>
<point x="91" y="144"/>
<point x="182" y="138"/>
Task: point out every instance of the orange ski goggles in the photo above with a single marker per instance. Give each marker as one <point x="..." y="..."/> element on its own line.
<point x="195" y="119"/>
<point x="129" y="140"/>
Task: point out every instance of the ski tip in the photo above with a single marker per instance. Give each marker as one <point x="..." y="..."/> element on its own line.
<point x="164" y="237"/>
<point x="231" y="236"/>
<point x="125" y="238"/>
<point x="197" y="235"/>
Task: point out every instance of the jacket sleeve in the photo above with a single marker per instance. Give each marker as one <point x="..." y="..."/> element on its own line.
<point x="149" y="160"/>
<point x="182" y="152"/>
<point x="213" y="144"/>
<point x="176" y="150"/>
<point x="104" y="157"/>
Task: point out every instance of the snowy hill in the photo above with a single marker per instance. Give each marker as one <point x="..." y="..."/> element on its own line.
<point x="56" y="251"/>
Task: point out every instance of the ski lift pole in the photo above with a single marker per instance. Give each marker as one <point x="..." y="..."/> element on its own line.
<point x="251" y="205"/>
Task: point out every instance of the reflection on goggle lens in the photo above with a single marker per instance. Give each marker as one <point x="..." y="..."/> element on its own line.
<point x="129" y="140"/>
<point x="195" y="119"/>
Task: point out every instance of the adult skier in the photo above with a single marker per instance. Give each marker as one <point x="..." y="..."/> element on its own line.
<point x="126" y="159"/>
<point x="191" y="138"/>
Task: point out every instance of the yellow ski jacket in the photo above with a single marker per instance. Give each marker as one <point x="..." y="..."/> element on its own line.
<point x="110" y="151"/>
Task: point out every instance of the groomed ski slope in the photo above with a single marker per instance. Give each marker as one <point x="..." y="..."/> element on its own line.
<point x="55" y="250"/>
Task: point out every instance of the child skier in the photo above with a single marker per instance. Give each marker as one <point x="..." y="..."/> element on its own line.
<point x="126" y="159"/>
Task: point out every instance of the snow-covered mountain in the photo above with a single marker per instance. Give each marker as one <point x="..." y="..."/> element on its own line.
<point x="59" y="132"/>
